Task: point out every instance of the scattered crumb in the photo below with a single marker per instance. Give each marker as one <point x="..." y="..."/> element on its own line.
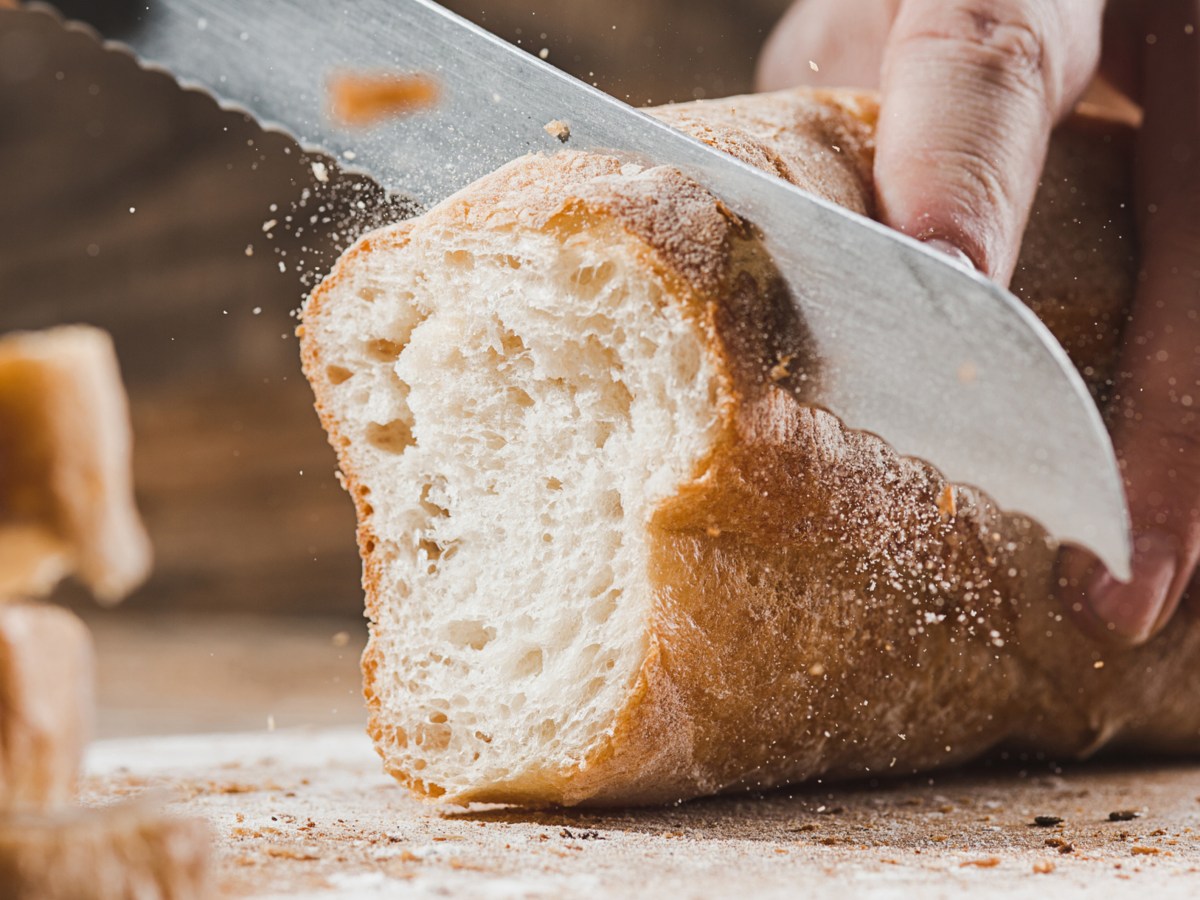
<point x="557" y="128"/>
<point x="320" y="172"/>
<point x="1060" y="844"/>
<point x="947" y="507"/>
<point x="363" y="99"/>
<point x="989" y="862"/>
<point x="249" y="249"/>
<point x="1043" y="867"/>
<point x="1124" y="815"/>
<point x="1139" y="850"/>
<point x="289" y="853"/>
<point x="780" y="370"/>
<point x="269" y="224"/>
<point x="233" y="788"/>
<point x="589" y="835"/>
<point x="1047" y="821"/>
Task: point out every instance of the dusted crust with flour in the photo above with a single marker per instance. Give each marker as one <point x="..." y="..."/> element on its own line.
<point x="610" y="558"/>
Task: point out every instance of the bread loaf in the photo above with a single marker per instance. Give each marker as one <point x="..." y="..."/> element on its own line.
<point x="610" y="558"/>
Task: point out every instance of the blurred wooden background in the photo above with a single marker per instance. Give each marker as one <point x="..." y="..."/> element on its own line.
<point x="130" y="204"/>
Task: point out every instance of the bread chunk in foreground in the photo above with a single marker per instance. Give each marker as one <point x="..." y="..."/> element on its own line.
<point x="113" y="853"/>
<point x="610" y="557"/>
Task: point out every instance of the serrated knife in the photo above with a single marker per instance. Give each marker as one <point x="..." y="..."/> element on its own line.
<point x="941" y="363"/>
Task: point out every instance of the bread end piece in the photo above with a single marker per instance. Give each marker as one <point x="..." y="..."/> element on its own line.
<point x="66" y="491"/>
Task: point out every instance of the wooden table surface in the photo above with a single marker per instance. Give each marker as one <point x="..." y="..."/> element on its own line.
<point x="307" y="813"/>
<point x="256" y="723"/>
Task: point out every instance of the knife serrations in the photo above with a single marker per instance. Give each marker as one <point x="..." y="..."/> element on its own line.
<point x="938" y="361"/>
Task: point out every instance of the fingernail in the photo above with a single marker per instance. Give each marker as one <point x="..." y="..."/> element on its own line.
<point x="948" y="249"/>
<point x="1131" y="611"/>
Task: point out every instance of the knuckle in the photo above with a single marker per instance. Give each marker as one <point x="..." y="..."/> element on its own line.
<point x="1017" y="44"/>
<point x="1013" y="43"/>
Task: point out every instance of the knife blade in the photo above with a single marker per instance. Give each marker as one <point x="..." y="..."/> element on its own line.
<point x="943" y="364"/>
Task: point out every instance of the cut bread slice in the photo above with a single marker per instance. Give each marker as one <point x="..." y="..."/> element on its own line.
<point x="66" y="492"/>
<point x="610" y="558"/>
<point x="520" y="397"/>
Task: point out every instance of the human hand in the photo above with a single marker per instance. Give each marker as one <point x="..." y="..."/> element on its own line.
<point x="970" y="90"/>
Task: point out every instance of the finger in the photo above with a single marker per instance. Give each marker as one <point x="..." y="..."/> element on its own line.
<point x="827" y="43"/>
<point x="1157" y="430"/>
<point x="971" y="89"/>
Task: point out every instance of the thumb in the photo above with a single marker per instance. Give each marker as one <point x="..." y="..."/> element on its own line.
<point x="971" y="89"/>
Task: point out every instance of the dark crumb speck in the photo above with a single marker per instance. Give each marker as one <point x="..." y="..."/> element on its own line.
<point x="590" y="835"/>
<point x="1060" y="845"/>
<point x="1124" y="815"/>
<point x="1047" y="821"/>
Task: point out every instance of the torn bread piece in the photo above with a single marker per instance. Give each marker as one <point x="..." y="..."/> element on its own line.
<point x="110" y="853"/>
<point x="610" y="556"/>
<point x="66" y="492"/>
<point x="46" y="704"/>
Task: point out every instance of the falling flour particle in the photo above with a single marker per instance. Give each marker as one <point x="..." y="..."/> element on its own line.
<point x="269" y="224"/>
<point x="543" y="53"/>
<point x="320" y="172"/>
<point x="559" y="129"/>
<point x="249" y="249"/>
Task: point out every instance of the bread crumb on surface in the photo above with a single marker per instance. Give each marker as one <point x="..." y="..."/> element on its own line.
<point x="559" y="129"/>
<point x="359" y="99"/>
